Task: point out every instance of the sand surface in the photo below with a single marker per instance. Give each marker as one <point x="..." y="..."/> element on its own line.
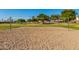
<point x="39" y="38"/>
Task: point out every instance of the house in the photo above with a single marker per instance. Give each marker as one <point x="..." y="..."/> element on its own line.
<point x="53" y="21"/>
<point x="76" y="20"/>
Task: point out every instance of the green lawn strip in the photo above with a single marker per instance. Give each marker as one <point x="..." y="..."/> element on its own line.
<point x="7" y="26"/>
<point x="72" y="26"/>
<point x="4" y="26"/>
<point x="64" y="25"/>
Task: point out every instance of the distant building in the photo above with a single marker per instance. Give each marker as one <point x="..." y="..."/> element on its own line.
<point x="77" y="19"/>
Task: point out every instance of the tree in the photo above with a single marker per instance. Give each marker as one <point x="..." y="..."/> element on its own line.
<point x="42" y="17"/>
<point x="34" y="19"/>
<point x="54" y="17"/>
<point x="20" y="20"/>
<point x="68" y="15"/>
<point x="29" y="20"/>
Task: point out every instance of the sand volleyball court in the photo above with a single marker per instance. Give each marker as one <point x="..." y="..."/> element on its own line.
<point x="39" y="38"/>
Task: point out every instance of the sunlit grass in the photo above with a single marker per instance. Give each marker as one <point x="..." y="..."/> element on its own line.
<point x="64" y="25"/>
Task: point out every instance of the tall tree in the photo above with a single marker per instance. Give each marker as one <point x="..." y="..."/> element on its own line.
<point x="68" y="15"/>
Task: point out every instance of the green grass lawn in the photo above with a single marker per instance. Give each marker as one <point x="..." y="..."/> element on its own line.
<point x="64" y="25"/>
<point x="7" y="26"/>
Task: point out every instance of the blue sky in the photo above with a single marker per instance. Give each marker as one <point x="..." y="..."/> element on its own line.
<point x="28" y="13"/>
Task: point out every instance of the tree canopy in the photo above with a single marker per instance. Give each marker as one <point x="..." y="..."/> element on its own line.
<point x="29" y="20"/>
<point x="54" y="17"/>
<point x="20" y="20"/>
<point x="34" y="19"/>
<point x="68" y="14"/>
<point x="42" y="17"/>
<point x="65" y="15"/>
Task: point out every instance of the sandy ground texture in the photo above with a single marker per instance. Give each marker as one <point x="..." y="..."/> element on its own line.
<point x="39" y="38"/>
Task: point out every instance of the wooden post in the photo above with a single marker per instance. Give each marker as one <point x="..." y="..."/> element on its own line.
<point x="68" y="24"/>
